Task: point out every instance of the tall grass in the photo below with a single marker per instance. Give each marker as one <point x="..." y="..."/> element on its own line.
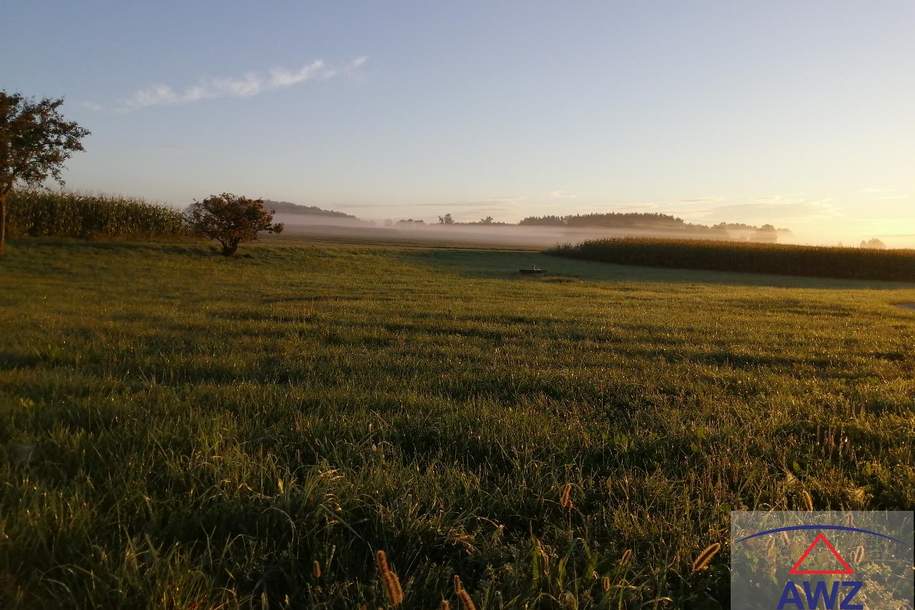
<point x="44" y="213"/>
<point x="812" y="261"/>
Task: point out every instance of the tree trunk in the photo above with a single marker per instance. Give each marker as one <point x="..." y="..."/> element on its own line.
<point x="229" y="248"/>
<point x="2" y="224"/>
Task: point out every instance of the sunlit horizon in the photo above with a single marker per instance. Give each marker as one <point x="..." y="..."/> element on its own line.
<point x="799" y="116"/>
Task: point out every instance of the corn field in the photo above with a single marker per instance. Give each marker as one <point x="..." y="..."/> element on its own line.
<point x="44" y="213"/>
<point x="812" y="261"/>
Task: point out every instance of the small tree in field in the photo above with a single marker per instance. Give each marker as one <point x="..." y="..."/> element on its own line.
<point x="35" y="141"/>
<point x="230" y="220"/>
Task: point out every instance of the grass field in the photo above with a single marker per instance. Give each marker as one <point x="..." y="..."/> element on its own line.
<point x="181" y="430"/>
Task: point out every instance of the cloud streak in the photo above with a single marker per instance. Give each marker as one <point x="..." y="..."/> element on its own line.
<point x="247" y="85"/>
<point x="770" y="209"/>
<point x="883" y="194"/>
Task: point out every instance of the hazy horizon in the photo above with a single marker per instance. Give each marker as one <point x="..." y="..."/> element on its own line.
<point x="799" y="116"/>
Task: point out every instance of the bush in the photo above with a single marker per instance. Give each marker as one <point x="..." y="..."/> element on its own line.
<point x="230" y="220"/>
<point x="44" y="213"/>
<point x="816" y="261"/>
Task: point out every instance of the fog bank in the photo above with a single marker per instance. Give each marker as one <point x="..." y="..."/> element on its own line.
<point x="504" y="235"/>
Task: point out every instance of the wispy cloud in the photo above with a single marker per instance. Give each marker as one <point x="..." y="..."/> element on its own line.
<point x="772" y="209"/>
<point x="883" y="194"/>
<point x="560" y="194"/>
<point x="499" y="200"/>
<point x="281" y="77"/>
<point x="703" y="200"/>
<point x="247" y="85"/>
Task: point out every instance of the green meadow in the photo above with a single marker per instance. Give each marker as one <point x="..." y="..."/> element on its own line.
<point x="183" y="430"/>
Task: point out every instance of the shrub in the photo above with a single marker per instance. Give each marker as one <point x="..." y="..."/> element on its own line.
<point x="230" y="220"/>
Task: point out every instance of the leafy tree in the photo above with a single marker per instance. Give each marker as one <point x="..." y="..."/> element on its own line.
<point x="766" y="234"/>
<point x="446" y="220"/>
<point x="873" y="244"/>
<point x="230" y="220"/>
<point x="35" y="141"/>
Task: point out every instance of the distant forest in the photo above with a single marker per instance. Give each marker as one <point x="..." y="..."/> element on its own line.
<point x="655" y="222"/>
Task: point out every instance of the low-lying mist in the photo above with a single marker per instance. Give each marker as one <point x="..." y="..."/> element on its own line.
<point x="505" y="235"/>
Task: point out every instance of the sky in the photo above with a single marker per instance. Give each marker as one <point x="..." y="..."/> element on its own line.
<point x="799" y="114"/>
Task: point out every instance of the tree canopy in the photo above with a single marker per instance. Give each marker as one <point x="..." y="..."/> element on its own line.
<point x="35" y="142"/>
<point x="231" y="219"/>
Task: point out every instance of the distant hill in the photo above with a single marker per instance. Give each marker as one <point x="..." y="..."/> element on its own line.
<point x="287" y="207"/>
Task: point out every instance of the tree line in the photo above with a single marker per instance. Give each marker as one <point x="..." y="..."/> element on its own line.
<point x="35" y="143"/>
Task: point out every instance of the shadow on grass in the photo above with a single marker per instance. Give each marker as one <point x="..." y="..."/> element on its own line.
<point x="185" y="247"/>
<point x="467" y="262"/>
<point x="504" y="264"/>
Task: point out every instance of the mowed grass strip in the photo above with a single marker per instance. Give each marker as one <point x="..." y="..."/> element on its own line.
<point x="188" y="431"/>
<point x="809" y="261"/>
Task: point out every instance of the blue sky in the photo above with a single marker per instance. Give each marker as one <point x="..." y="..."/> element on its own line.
<point x="797" y="113"/>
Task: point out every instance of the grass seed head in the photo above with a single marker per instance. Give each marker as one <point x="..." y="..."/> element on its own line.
<point x="466" y="600"/>
<point x="389" y="579"/>
<point x="565" y="498"/>
<point x="381" y="559"/>
<point x="808" y="500"/>
<point x="392" y="588"/>
<point x="705" y="557"/>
